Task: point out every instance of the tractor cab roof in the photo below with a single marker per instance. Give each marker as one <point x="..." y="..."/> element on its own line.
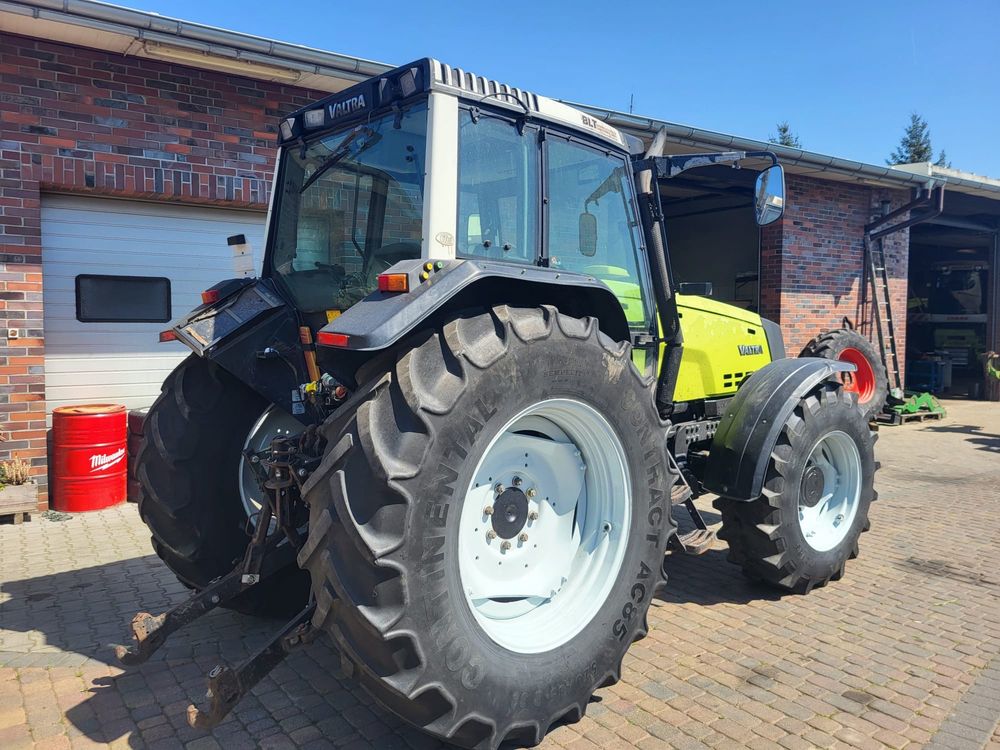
<point x="392" y="89"/>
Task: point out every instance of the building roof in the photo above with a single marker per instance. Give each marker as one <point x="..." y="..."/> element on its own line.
<point x="101" y="25"/>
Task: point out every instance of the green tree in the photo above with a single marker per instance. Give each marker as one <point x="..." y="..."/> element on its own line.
<point x="915" y="145"/>
<point x="785" y="136"/>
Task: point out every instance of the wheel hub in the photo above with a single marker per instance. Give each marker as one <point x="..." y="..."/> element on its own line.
<point x="510" y="513"/>
<point x="812" y="486"/>
<point x="544" y="525"/>
<point x="830" y="491"/>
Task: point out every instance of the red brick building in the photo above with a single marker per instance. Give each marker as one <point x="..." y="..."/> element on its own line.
<point x="129" y="140"/>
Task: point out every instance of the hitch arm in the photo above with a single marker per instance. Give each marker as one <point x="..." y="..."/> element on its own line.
<point x="151" y="632"/>
<point x="227" y="686"/>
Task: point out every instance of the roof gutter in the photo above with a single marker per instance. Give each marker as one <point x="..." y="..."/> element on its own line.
<point x="198" y="38"/>
<point x="698" y="138"/>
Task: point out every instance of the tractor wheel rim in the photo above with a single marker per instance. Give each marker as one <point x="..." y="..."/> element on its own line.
<point x="826" y="518"/>
<point x="274" y="422"/>
<point x="862" y="380"/>
<point x="545" y="526"/>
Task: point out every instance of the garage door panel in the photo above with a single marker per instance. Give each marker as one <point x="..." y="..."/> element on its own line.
<point x="123" y="362"/>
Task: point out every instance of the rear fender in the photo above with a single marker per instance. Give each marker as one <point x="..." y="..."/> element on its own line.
<point x="749" y="429"/>
<point x="383" y="319"/>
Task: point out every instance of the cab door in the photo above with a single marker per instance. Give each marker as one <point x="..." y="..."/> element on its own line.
<point x="591" y="226"/>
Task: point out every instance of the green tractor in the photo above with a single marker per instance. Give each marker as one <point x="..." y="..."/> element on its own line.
<point x="448" y="424"/>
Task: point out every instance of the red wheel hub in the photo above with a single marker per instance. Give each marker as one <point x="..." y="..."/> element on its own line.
<point x="862" y="380"/>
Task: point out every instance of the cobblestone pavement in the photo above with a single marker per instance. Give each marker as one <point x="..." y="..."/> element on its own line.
<point x="902" y="653"/>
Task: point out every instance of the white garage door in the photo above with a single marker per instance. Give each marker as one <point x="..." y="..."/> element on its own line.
<point x="123" y="362"/>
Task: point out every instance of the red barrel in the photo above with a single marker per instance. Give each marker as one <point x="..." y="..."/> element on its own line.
<point x="90" y="447"/>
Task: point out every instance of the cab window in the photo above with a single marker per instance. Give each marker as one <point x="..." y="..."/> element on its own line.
<point x="497" y="189"/>
<point x="592" y="227"/>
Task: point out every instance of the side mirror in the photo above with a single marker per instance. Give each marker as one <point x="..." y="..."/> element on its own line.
<point x="588" y="234"/>
<point x="769" y="195"/>
<point x="699" y="288"/>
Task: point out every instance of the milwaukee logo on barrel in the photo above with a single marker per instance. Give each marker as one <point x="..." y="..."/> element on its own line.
<point x="103" y="461"/>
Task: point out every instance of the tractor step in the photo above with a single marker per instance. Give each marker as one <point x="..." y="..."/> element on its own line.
<point x="696" y="542"/>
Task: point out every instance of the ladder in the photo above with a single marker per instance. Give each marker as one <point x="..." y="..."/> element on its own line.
<point x="879" y="279"/>
<point x="931" y="201"/>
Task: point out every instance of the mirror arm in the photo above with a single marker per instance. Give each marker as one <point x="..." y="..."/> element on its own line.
<point x="665" y="167"/>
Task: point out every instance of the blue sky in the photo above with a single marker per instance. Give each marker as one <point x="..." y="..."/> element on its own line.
<point x="845" y="75"/>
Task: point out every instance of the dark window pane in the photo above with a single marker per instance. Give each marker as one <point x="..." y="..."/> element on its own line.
<point x="122" y="299"/>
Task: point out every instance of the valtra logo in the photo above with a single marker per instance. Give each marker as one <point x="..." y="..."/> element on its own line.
<point x="103" y="461"/>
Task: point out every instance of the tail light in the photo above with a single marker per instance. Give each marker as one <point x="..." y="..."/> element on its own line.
<point x="167" y="335"/>
<point x="209" y="296"/>
<point x="393" y="282"/>
<point x="325" y="338"/>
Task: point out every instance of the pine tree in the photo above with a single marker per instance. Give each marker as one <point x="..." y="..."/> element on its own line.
<point x="785" y="136"/>
<point x="942" y="160"/>
<point x="915" y="145"/>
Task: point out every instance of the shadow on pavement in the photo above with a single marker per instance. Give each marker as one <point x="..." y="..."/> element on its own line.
<point x="83" y="612"/>
<point x="985" y="441"/>
<point x="709" y="579"/>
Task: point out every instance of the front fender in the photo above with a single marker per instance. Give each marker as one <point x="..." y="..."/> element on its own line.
<point x="749" y="430"/>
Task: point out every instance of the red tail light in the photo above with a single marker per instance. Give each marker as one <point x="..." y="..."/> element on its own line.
<point x="325" y="338"/>
<point x="209" y="296"/>
<point x="167" y="335"/>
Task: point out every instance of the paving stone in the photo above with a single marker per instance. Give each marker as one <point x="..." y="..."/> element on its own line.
<point x="900" y="653"/>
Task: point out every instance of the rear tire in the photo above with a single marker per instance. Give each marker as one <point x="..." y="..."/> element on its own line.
<point x="389" y="530"/>
<point x="786" y="537"/>
<point x="189" y="496"/>
<point x="869" y="381"/>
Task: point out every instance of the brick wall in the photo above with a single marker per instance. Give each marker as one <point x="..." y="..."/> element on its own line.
<point x="811" y="260"/>
<point x="86" y="121"/>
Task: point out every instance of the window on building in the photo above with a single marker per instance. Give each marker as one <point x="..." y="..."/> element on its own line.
<point x="122" y="299"/>
<point x="497" y="189"/>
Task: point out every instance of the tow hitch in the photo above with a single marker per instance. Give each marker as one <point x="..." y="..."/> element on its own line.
<point x="280" y="471"/>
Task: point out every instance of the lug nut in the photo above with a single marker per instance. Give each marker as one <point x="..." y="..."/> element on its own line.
<point x="522" y="537"/>
<point x="532" y="492"/>
<point x="491" y="534"/>
<point x="488" y="510"/>
<point x="506" y="545"/>
<point x="533" y="516"/>
<point x="517" y="481"/>
<point x="498" y="488"/>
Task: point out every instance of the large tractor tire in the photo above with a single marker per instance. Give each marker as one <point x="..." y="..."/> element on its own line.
<point x="488" y="525"/>
<point x="196" y="494"/>
<point x="801" y="531"/>
<point x="869" y="381"/>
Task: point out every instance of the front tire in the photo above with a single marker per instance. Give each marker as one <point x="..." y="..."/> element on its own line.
<point x="399" y="546"/>
<point x="804" y="527"/>
<point x="189" y="472"/>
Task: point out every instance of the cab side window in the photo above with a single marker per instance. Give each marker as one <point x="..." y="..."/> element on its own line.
<point x="592" y="226"/>
<point x="497" y="189"/>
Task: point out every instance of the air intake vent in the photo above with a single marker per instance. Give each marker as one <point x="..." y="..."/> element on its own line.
<point x="479" y="86"/>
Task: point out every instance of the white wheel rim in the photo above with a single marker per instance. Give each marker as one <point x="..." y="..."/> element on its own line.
<point x="828" y="507"/>
<point x="537" y="589"/>
<point x="274" y="422"/>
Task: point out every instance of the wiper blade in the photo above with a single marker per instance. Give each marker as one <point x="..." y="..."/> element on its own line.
<point x="343" y="150"/>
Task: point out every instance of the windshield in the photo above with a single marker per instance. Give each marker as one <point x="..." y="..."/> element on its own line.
<point x="349" y="206"/>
